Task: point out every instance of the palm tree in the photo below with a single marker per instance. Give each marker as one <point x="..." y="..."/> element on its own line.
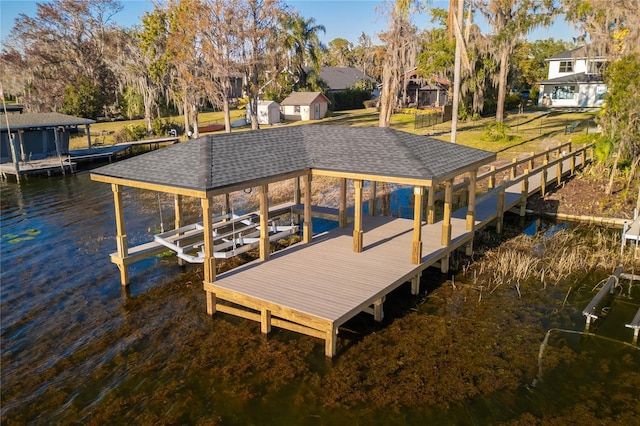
<point x="303" y="46"/>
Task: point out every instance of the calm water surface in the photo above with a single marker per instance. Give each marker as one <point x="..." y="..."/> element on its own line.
<point x="60" y="294"/>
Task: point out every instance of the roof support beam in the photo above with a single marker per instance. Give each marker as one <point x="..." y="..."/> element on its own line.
<point x="416" y="247"/>
<point x="264" y="223"/>
<point x="372" y="198"/>
<point x="209" y="259"/>
<point x="357" y="222"/>
<point x="121" y="236"/>
<point x="446" y="220"/>
<point x="177" y="222"/>
<point x="342" y="209"/>
<point x="307" y="227"/>
<point x="431" y="205"/>
<point x="471" y="204"/>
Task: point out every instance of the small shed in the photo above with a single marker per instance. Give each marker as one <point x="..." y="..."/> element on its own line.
<point x="38" y="136"/>
<point x="268" y="112"/>
<point x="305" y="106"/>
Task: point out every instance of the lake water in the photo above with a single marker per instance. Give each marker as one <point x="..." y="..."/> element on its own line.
<point x="63" y="313"/>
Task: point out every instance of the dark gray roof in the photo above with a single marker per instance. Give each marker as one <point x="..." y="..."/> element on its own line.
<point x="341" y="78"/>
<point x="42" y="119"/>
<point x="218" y="161"/>
<point x="581" y="52"/>
<point x="303" y="98"/>
<point x="576" y="78"/>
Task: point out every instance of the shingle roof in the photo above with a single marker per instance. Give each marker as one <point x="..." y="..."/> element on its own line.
<point x="218" y="161"/>
<point x="341" y="78"/>
<point x="576" y="78"/>
<point x="44" y="119"/>
<point x="581" y="52"/>
<point x="303" y="98"/>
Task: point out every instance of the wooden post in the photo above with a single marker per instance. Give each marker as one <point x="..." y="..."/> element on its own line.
<point x="342" y="212"/>
<point x="514" y="168"/>
<point x="23" y="155"/>
<point x="559" y="172"/>
<point x="372" y="198"/>
<point x="88" y="136"/>
<point x="226" y="207"/>
<point x="446" y="221"/>
<point x="307" y="228"/>
<point x="492" y="178"/>
<point x="572" y="160"/>
<point x="177" y="223"/>
<point x="416" y="246"/>
<point x="265" y="248"/>
<point x="471" y="203"/>
<point x="415" y="284"/>
<point x="543" y="177"/>
<point x="431" y="205"/>
<point x="525" y="193"/>
<point x="583" y="155"/>
<point x="296" y="196"/>
<point x="265" y="321"/>
<point x="56" y="139"/>
<point x="121" y="236"/>
<point x="500" y="217"/>
<point x="331" y="342"/>
<point x="531" y="160"/>
<point x="357" y="222"/>
<point x="209" y="262"/>
<point x="378" y="312"/>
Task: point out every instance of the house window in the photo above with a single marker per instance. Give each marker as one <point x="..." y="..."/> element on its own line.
<point x="563" y="92"/>
<point x="566" y="66"/>
<point x="296" y="109"/>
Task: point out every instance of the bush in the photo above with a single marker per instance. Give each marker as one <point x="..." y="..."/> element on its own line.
<point x="496" y="131"/>
<point x="136" y="131"/>
<point x="161" y="126"/>
<point x="348" y="99"/>
<point x="370" y="103"/>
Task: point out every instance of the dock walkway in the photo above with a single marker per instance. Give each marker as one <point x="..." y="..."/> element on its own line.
<point x="315" y="288"/>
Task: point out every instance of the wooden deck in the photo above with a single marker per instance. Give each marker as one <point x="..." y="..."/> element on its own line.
<point x="46" y="166"/>
<point x="315" y="288"/>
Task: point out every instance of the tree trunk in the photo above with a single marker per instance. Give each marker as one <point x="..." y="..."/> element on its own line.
<point x="614" y="170"/>
<point x="185" y="109"/>
<point x="387" y="98"/>
<point x="502" y="85"/>
<point x="227" y="114"/>
<point x="194" y="120"/>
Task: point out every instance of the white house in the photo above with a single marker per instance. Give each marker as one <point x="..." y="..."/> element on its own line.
<point x="268" y="112"/>
<point x="305" y="106"/>
<point x="574" y="80"/>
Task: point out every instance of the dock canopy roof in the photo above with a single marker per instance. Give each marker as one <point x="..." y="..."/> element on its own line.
<point x="41" y="120"/>
<point x="217" y="164"/>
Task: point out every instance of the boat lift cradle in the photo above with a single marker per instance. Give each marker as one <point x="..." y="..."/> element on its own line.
<point x="232" y="235"/>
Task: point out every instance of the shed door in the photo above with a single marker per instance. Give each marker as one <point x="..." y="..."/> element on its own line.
<point x="316" y="111"/>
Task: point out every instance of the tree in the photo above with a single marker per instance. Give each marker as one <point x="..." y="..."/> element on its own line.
<point x="529" y="60"/>
<point x="437" y="48"/>
<point x="510" y="21"/>
<point x="401" y="48"/>
<point x="260" y="19"/>
<point x="82" y="98"/>
<point x="66" y="40"/>
<point x="621" y="119"/>
<point x="614" y="31"/>
<point x="340" y="53"/>
<point x="301" y="42"/>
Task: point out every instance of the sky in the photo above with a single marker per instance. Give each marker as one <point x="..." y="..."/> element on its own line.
<point x="341" y="18"/>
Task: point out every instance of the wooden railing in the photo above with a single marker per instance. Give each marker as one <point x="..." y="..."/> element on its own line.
<point x="560" y="153"/>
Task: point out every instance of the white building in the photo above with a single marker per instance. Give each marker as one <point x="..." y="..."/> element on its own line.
<point x="268" y="112"/>
<point x="574" y="80"/>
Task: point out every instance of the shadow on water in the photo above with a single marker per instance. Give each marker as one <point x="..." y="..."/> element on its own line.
<point x="76" y="349"/>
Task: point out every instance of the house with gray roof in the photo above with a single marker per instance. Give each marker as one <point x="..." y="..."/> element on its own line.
<point x="304" y="106"/>
<point x="575" y="79"/>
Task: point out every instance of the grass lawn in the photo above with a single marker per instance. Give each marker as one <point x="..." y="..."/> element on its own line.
<point x="531" y="131"/>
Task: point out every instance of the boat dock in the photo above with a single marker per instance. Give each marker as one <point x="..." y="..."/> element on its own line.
<point x="315" y="286"/>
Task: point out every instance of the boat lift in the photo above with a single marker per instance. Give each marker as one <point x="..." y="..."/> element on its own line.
<point x="232" y="235"/>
